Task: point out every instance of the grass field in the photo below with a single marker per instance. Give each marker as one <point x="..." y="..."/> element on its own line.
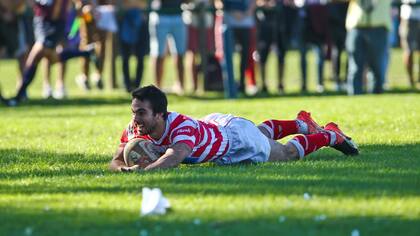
<point x="54" y="178"/>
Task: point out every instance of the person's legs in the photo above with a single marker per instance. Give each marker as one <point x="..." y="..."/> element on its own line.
<point x="191" y="54"/>
<point x="407" y="51"/>
<point x="306" y="144"/>
<point x="298" y="147"/>
<point x="281" y="58"/>
<point x="303" y="48"/>
<point x="140" y="53"/>
<point x="46" y="88"/>
<point x="377" y="49"/>
<point x="356" y="48"/>
<point x="280" y="152"/>
<point x="158" y="66"/>
<point x="302" y="145"/>
<point x="179" y="61"/>
<point x="142" y="48"/>
<point x="408" y="63"/>
<point x="195" y="68"/>
<point x="31" y="65"/>
<point x="125" y="59"/>
<point x="178" y="48"/>
<point x="265" y="39"/>
<point x="320" y="56"/>
<point x="277" y="129"/>
<point x="242" y="36"/>
<point x="60" y="87"/>
<point x="158" y="33"/>
<point x="229" y="84"/>
<point x="101" y="58"/>
<point x="336" y="66"/>
<point x="418" y="65"/>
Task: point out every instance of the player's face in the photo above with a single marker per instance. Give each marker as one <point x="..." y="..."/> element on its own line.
<point x="143" y="116"/>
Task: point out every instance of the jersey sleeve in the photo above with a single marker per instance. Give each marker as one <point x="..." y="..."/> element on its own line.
<point x="185" y="133"/>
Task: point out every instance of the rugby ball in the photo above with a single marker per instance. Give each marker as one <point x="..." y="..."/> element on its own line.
<point x="141" y="152"/>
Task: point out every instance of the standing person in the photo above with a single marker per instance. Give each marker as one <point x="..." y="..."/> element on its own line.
<point x="200" y="40"/>
<point x="60" y="88"/>
<point x="49" y="22"/>
<point x="368" y="23"/>
<point x="60" y="91"/>
<point x="16" y="33"/>
<point x="90" y="36"/>
<point x="410" y="36"/>
<point x="337" y="29"/>
<point x="9" y="26"/>
<point x="313" y="19"/>
<point x="275" y="21"/>
<point x="239" y="19"/>
<point x="134" y="39"/>
<point x="165" y="20"/>
<point x="221" y="138"/>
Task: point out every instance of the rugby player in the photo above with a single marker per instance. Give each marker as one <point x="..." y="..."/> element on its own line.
<point x="221" y="138"/>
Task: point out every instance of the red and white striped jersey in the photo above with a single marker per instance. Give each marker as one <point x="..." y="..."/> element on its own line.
<point x="207" y="138"/>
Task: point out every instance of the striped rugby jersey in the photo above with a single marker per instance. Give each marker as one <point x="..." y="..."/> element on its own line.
<point x="207" y="137"/>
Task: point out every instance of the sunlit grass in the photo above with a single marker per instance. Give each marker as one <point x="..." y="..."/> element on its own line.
<point x="54" y="178"/>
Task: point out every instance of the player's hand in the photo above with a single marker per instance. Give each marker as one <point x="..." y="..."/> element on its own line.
<point x="130" y="169"/>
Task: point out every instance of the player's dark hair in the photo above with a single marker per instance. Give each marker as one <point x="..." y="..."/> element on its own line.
<point x="155" y="96"/>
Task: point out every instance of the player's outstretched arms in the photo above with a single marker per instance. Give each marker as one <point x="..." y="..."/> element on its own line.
<point x="172" y="157"/>
<point x="117" y="163"/>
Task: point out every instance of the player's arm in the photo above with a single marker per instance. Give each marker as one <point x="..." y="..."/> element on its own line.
<point x="117" y="162"/>
<point x="172" y="157"/>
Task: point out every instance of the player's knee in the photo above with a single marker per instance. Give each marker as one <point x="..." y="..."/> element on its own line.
<point x="264" y="131"/>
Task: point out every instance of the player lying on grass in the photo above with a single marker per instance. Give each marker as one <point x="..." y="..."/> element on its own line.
<point x="221" y="138"/>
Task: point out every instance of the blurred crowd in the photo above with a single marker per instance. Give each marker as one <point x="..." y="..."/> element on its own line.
<point x="203" y="35"/>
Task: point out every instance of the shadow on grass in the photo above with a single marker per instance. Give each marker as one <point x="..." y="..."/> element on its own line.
<point x="96" y="221"/>
<point x="97" y="101"/>
<point x="381" y="170"/>
<point x="220" y="96"/>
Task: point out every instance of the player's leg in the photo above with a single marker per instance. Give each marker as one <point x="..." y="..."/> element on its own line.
<point x="36" y="54"/>
<point x="158" y="33"/>
<point x="60" y="87"/>
<point x="178" y="48"/>
<point x="302" y="145"/>
<point x="281" y="152"/>
<point x="299" y="146"/>
<point x="277" y="129"/>
<point x="46" y="87"/>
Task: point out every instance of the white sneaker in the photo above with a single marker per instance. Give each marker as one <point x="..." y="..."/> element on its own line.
<point x="252" y="90"/>
<point x="82" y="82"/>
<point x="60" y="94"/>
<point x="320" y="88"/>
<point x="47" y="92"/>
<point x="97" y="80"/>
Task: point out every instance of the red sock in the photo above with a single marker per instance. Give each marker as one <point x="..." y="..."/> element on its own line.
<point x="306" y="144"/>
<point x="280" y="128"/>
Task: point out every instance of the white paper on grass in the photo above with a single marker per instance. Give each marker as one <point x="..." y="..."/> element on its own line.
<point x="153" y="202"/>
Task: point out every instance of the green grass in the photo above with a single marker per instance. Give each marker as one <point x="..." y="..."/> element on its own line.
<point x="54" y="178"/>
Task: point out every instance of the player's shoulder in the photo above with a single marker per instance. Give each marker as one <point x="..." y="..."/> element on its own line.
<point x="176" y="119"/>
<point x="179" y="121"/>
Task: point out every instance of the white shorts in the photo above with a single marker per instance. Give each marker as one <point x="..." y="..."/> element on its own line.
<point x="246" y="141"/>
